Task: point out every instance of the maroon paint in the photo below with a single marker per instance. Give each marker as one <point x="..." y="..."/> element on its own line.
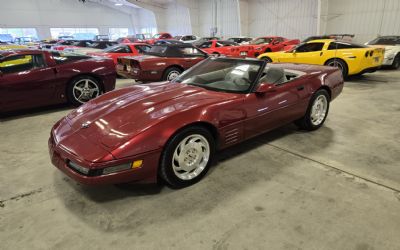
<point x="46" y="86"/>
<point x="135" y="123"/>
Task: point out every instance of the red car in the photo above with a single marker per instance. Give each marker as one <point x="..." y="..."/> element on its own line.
<point x="172" y="129"/>
<point x="33" y="78"/>
<point x="159" y="36"/>
<point x="227" y="48"/>
<point x="270" y="44"/>
<point x="128" y="49"/>
<point x="161" y="62"/>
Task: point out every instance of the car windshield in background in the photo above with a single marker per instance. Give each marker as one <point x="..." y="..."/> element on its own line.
<point x="222" y="74"/>
<point x="261" y="41"/>
<point x="62" y="56"/>
<point x="157" y="50"/>
<point x="390" y="40"/>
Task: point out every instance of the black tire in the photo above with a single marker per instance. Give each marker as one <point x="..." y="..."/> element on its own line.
<point x="305" y="122"/>
<point x="396" y="62"/>
<point x="72" y="92"/>
<point x="170" y="72"/>
<point x="339" y="63"/>
<point x="267" y="59"/>
<point x="166" y="171"/>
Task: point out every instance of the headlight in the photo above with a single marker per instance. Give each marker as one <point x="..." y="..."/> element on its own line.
<point x="122" y="167"/>
<point x="78" y="168"/>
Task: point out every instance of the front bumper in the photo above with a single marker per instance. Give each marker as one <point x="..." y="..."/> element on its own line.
<point x="387" y="61"/>
<point x="147" y="173"/>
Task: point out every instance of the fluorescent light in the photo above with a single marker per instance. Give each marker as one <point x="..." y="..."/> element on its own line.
<point x="118" y="4"/>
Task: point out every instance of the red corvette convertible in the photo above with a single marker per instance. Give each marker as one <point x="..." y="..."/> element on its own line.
<point x="126" y="49"/>
<point x="159" y="36"/>
<point x="33" y="78"/>
<point x="226" y="48"/>
<point x="161" y="62"/>
<point x="270" y="44"/>
<point x="172" y="129"/>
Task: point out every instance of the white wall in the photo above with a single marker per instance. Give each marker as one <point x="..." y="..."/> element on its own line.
<point x="364" y="18"/>
<point x="43" y="14"/>
<point x="287" y="18"/>
<point x="177" y="19"/>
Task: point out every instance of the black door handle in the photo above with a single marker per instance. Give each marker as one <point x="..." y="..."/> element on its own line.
<point x="320" y="54"/>
<point x="299" y="88"/>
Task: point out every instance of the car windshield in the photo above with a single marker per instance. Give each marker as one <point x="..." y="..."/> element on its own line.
<point x="223" y="74"/>
<point x="261" y="40"/>
<point x="389" y="40"/>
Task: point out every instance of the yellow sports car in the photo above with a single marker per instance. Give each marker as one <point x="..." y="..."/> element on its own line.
<point x="351" y="59"/>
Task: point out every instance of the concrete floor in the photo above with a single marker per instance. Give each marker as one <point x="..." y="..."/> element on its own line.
<point x="335" y="188"/>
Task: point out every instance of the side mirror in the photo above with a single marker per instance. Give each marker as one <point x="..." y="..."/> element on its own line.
<point x="265" y="87"/>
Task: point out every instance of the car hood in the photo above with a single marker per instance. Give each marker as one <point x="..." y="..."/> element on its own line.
<point x="116" y="117"/>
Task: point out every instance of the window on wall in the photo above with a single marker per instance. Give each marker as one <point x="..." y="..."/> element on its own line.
<point x="20" y="32"/>
<point x="76" y="33"/>
<point x="116" y="33"/>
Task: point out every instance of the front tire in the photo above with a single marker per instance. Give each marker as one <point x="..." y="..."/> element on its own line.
<point x="339" y="63"/>
<point x="187" y="157"/>
<point x="82" y="89"/>
<point x="171" y="73"/>
<point x="317" y="111"/>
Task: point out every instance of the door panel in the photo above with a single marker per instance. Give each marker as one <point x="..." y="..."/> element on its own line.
<point x="270" y="110"/>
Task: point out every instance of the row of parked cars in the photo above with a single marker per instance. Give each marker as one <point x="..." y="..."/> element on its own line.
<point x="77" y="71"/>
<point x="171" y="129"/>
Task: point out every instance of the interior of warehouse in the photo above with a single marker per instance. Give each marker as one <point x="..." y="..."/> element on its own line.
<point x="200" y="124"/>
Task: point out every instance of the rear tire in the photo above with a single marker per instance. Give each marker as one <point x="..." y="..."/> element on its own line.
<point x="317" y="111"/>
<point x="339" y="63"/>
<point x="187" y="157"/>
<point x="396" y="62"/>
<point x="82" y="89"/>
<point x="171" y="73"/>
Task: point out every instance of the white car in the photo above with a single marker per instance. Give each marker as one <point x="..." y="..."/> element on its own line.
<point x="187" y="38"/>
<point x="392" y="49"/>
<point x="240" y="39"/>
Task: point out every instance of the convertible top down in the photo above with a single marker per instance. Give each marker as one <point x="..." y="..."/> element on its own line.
<point x="172" y="129"/>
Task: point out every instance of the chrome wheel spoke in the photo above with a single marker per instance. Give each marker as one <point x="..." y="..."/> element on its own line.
<point x="319" y="110"/>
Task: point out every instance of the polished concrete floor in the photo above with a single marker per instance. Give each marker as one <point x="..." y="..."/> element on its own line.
<point x="335" y="188"/>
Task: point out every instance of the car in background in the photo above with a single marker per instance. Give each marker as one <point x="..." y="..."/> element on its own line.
<point x="350" y="58"/>
<point x="340" y="37"/>
<point x="226" y="48"/>
<point x="67" y="45"/>
<point x="171" y="131"/>
<point x="86" y="46"/>
<point x="128" y="39"/>
<point x="205" y="39"/>
<point x="391" y="44"/>
<point x="159" y="36"/>
<point x="187" y="38"/>
<point x="6" y="38"/>
<point x="270" y="44"/>
<point x="101" y="38"/>
<point x="119" y="50"/>
<point x="240" y="40"/>
<point x="161" y="62"/>
<point x="10" y="46"/>
<point x="34" y="78"/>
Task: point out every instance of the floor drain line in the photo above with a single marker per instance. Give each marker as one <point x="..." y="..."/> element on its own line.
<point x="338" y="169"/>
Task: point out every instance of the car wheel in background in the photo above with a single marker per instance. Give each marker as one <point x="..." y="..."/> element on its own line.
<point x="339" y="63"/>
<point x="82" y="89"/>
<point x="396" y="62"/>
<point x="266" y="58"/>
<point x="317" y="111"/>
<point x="171" y="73"/>
<point x="187" y="157"/>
